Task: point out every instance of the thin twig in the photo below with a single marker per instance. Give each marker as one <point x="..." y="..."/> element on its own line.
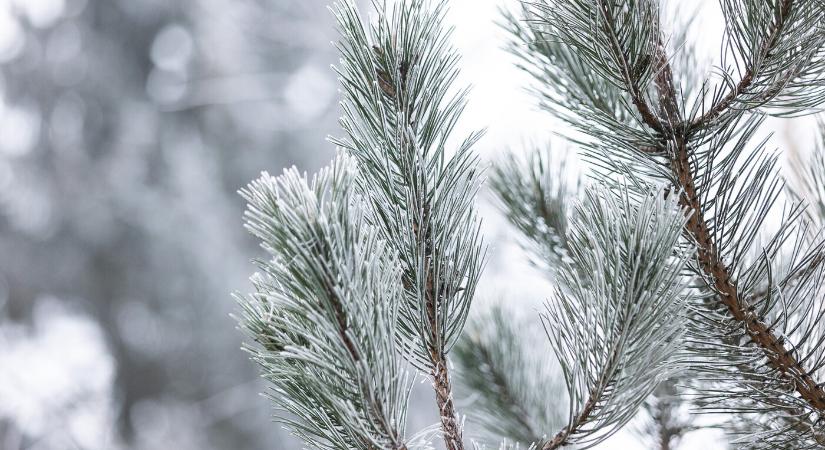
<point x="750" y="73"/>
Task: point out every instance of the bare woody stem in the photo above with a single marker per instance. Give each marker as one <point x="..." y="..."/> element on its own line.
<point x="778" y="355"/>
<point x="595" y="396"/>
<point x="560" y="439"/>
<point x="450" y="427"/>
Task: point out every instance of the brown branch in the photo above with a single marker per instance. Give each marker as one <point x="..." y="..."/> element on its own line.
<point x="636" y="94"/>
<point x="441" y="377"/>
<point x="562" y="436"/>
<point x="674" y="129"/>
<point x="450" y="427"/>
<point x="668" y="123"/>
<point x="444" y="399"/>
<point x="779" y="357"/>
<point x="750" y="73"/>
<point x="433" y="299"/>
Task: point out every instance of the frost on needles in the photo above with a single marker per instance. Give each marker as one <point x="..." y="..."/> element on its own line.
<point x="641" y="112"/>
<point x="673" y="292"/>
<point x="324" y="315"/>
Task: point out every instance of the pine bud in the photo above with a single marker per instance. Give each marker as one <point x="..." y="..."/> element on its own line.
<point x="385" y="83"/>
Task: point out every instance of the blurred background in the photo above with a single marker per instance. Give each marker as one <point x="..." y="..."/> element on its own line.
<point x="126" y="128"/>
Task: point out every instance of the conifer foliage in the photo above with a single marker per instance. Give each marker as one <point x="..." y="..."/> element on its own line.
<point x="672" y="287"/>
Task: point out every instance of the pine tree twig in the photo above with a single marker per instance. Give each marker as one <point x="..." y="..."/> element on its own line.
<point x="778" y="355"/>
<point x="450" y="426"/>
<point x="630" y="78"/>
<point x="534" y="194"/>
<point x="323" y="311"/>
<point x="604" y="69"/>
<point x="440" y="373"/>
<point x="375" y="403"/>
<point x="561" y="438"/>
<point x="396" y="75"/>
<point x="748" y="77"/>
<point x="499" y="379"/>
<point x="607" y="310"/>
<point x="434" y="298"/>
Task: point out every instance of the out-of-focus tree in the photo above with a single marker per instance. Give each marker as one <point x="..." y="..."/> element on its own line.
<point x="126" y="129"/>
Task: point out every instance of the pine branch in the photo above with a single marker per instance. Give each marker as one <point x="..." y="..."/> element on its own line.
<point x="779" y="356"/>
<point x="399" y="112"/>
<point x="515" y="394"/>
<point x="615" y="324"/>
<point x="765" y="49"/>
<point x="630" y="77"/>
<point x="779" y="47"/>
<point x="324" y="315"/>
<point x="534" y="195"/>
<point x="728" y="191"/>
<point x="573" y="87"/>
<point x="506" y="393"/>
